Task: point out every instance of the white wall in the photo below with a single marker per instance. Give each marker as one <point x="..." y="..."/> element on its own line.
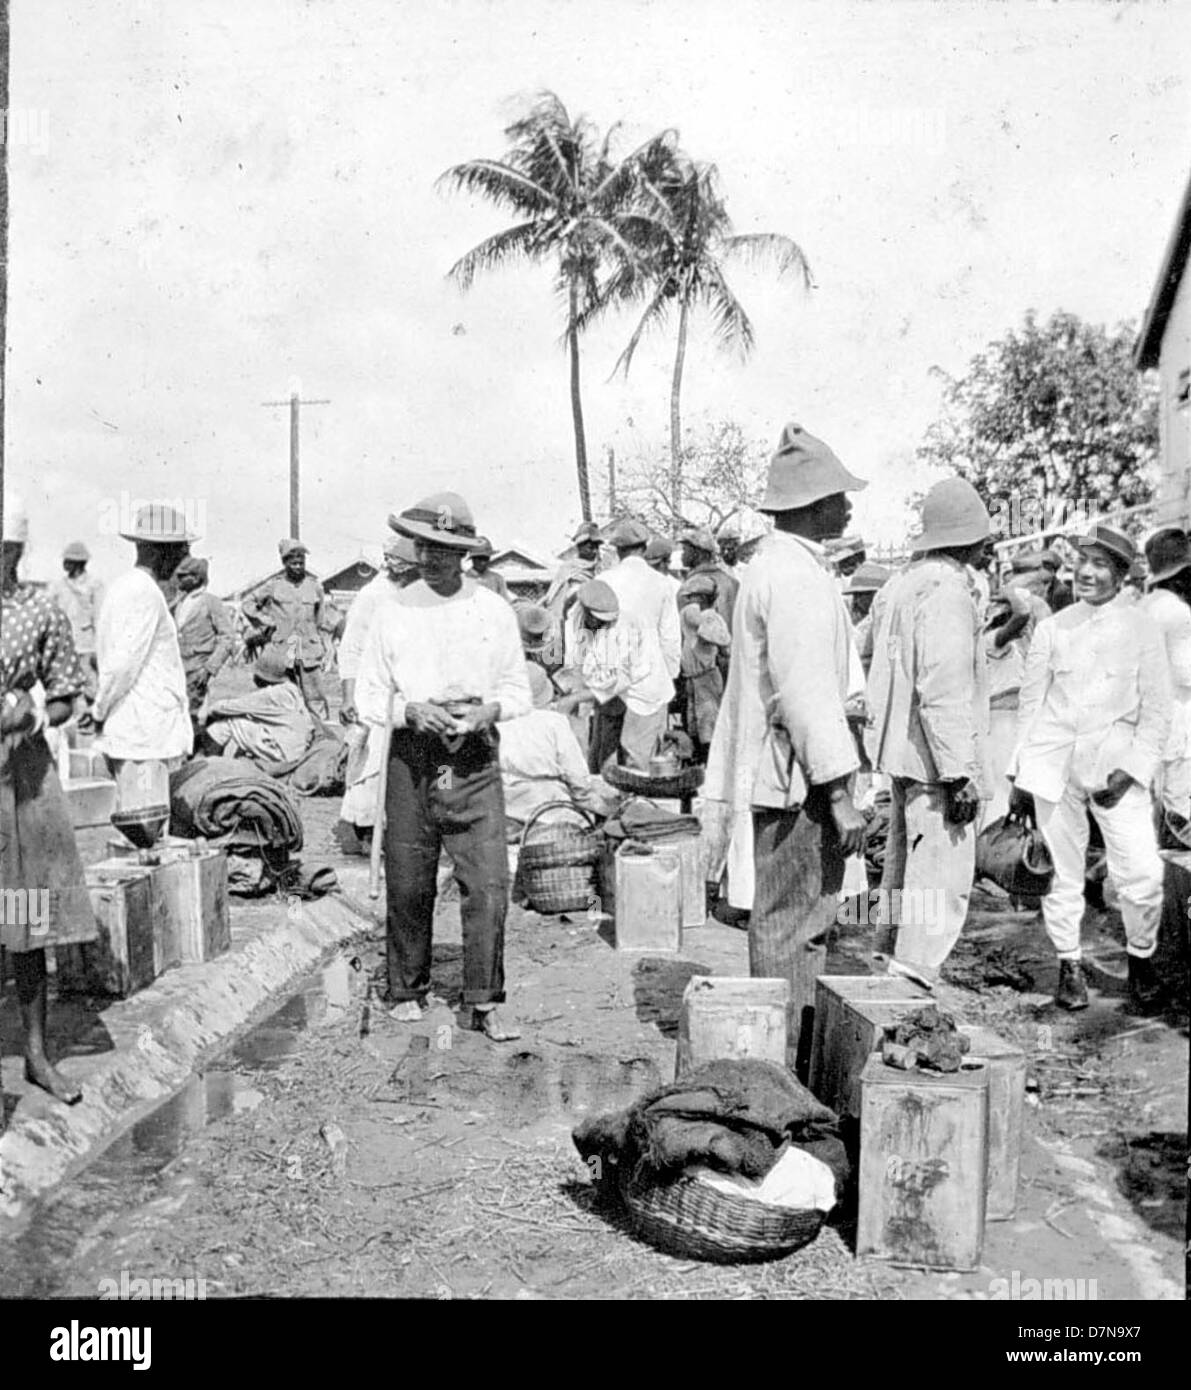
<point x="1174" y="493"/>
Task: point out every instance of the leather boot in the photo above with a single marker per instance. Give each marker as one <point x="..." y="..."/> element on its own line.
<point x="1072" y="993"/>
<point x="1145" y="989"/>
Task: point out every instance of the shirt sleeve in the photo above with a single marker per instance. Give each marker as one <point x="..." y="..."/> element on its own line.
<point x="801" y="641"/>
<point x="1154" y="709"/>
<point x="670" y="636"/>
<point x="355" y="629"/>
<point x="123" y="642"/>
<point x="59" y="670"/>
<point x="1178" y="647"/>
<point x="376" y="679"/>
<point x="945" y="660"/>
<point x="1035" y="682"/>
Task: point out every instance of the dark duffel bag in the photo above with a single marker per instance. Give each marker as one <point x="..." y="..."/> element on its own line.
<point x="1013" y="855"/>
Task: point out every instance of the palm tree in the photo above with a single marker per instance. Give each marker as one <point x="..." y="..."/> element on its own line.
<point x="686" y="270"/>
<point x="575" y="205"/>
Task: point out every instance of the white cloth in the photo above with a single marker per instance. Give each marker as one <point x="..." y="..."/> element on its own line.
<point x="141" y="694"/>
<point x="648" y="598"/>
<point x="80" y="599"/>
<point x="1134" y="865"/>
<point x="782" y="724"/>
<point x="379" y="592"/>
<point x="798" y="1181"/>
<point x="612" y="661"/>
<point x="1095" y="697"/>
<point x="426" y="647"/>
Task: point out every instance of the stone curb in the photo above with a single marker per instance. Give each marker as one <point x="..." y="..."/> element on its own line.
<point x="160" y="1036"/>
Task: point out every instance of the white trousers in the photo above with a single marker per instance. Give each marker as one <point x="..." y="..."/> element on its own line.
<point x="1134" y="866"/>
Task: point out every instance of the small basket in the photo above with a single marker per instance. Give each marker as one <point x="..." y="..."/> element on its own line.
<point x="690" y="1219"/>
<point x="558" y="874"/>
<point x="629" y="779"/>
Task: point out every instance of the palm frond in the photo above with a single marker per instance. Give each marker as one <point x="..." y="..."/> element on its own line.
<point x="501" y="184"/>
<point x="655" y="313"/>
<point x="733" y="328"/>
<point x="772" y="250"/>
<point x="519" y="243"/>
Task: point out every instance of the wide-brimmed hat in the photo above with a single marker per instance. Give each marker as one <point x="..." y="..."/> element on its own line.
<point x="700" y="538"/>
<point x="589" y="531"/>
<point x="844" y="547"/>
<point x="1110" y="539"/>
<point x="443" y="518"/>
<point x="599" y="599"/>
<point x="163" y="524"/>
<point x="802" y="471"/>
<point x="868" y="578"/>
<point x="659" y="548"/>
<point x="291" y="546"/>
<point x="270" y="666"/>
<point x="627" y="534"/>
<point x="16" y="521"/>
<point x="1168" y="552"/>
<point x="536" y="625"/>
<point x="483" y="546"/>
<point x="76" y="550"/>
<point x="953" y="514"/>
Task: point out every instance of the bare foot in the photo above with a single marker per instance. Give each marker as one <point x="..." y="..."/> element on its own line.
<point x="494" y="1026"/>
<point x="39" y="1072"/>
<point x="408" y="1011"/>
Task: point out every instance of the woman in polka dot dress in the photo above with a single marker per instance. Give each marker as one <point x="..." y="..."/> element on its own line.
<point x="43" y="895"/>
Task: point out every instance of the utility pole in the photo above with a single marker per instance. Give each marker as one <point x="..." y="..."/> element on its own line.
<point x="295" y="404"/>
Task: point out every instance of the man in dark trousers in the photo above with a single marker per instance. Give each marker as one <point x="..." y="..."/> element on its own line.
<point x="287" y="616"/>
<point x="442" y="667"/>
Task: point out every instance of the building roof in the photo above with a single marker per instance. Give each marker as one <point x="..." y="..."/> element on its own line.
<point x="1174" y="263"/>
<point x="513" y="558"/>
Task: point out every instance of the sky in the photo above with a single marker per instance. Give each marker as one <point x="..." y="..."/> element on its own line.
<point x="212" y="203"/>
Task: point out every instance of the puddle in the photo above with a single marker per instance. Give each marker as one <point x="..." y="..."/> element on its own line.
<point x="36" y="1261"/>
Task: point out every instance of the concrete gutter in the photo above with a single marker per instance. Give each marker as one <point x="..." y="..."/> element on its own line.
<point x="163" y="1034"/>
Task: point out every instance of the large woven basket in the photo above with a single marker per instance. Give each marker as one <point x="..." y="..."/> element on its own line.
<point x="628" y="779"/>
<point x="695" y="1221"/>
<point x="557" y="873"/>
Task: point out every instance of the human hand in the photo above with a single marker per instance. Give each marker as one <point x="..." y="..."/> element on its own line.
<point x="348" y="715"/>
<point x="18" y="715"/>
<point x="1021" y="805"/>
<point x="849" y="822"/>
<point x="1118" y="784"/>
<point x="432" y="719"/>
<point x="963" y="801"/>
<point x="477" y="718"/>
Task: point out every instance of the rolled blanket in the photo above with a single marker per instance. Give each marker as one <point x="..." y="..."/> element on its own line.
<point x="227" y="799"/>
<point x="640" y="820"/>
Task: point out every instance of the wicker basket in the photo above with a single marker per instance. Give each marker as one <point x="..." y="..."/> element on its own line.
<point x="628" y="779"/>
<point x="558" y="872"/>
<point x="691" y="1219"/>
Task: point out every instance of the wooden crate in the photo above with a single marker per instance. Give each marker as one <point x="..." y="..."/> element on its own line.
<point x="729" y="1017"/>
<point x="923" y="1166"/>
<point x="648" y="901"/>
<point x="1006" y="1065"/>
<point x="133" y="934"/>
<point x="851" y="1015"/>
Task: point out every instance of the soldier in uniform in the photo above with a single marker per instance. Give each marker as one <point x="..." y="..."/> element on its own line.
<point x="287" y="615"/>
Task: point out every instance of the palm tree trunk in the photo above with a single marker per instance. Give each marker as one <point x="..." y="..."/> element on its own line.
<point x="676" y="417"/>
<point x="577" y="406"/>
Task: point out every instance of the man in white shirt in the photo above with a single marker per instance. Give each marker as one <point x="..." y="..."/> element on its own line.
<point x="782" y="749"/>
<point x="646" y="601"/>
<point x="1093" y="722"/>
<point x="605" y="660"/>
<point x="442" y="668"/>
<point x="1168" y="606"/>
<point x="141" y="713"/>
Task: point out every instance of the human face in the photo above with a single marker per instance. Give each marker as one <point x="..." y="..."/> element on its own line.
<point x="441" y="566"/>
<point x="295" y="564"/>
<point x="690" y="556"/>
<point x="592" y="623"/>
<point x="588" y="550"/>
<point x="186" y="582"/>
<point x="835" y="512"/>
<point x="480" y="563"/>
<point x="729" y="550"/>
<point x="74" y="568"/>
<point x="1098" y="579"/>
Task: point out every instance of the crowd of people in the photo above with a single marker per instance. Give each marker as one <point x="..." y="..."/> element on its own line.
<point x="811" y="684"/>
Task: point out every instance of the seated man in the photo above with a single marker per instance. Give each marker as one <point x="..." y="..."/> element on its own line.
<point x="272" y="725"/>
<point x="541" y="761"/>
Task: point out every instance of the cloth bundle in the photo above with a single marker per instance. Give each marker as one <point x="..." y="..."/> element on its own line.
<point x="250" y="877"/>
<point x="229" y="800"/>
<point x="641" y="820"/>
<point x="927" y="1038"/>
<point x="733" y="1116"/>
<point x="322" y="769"/>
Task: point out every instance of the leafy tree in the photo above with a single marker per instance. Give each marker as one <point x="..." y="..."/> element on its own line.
<point x="576" y="206"/>
<point x="685" y="260"/>
<point x="1051" y="423"/>
<point x="724" y="476"/>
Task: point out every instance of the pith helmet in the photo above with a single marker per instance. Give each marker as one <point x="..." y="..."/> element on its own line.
<point x="76" y="550"/>
<point x="443" y="518"/>
<point x="804" y="470"/>
<point x="952" y="514"/>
